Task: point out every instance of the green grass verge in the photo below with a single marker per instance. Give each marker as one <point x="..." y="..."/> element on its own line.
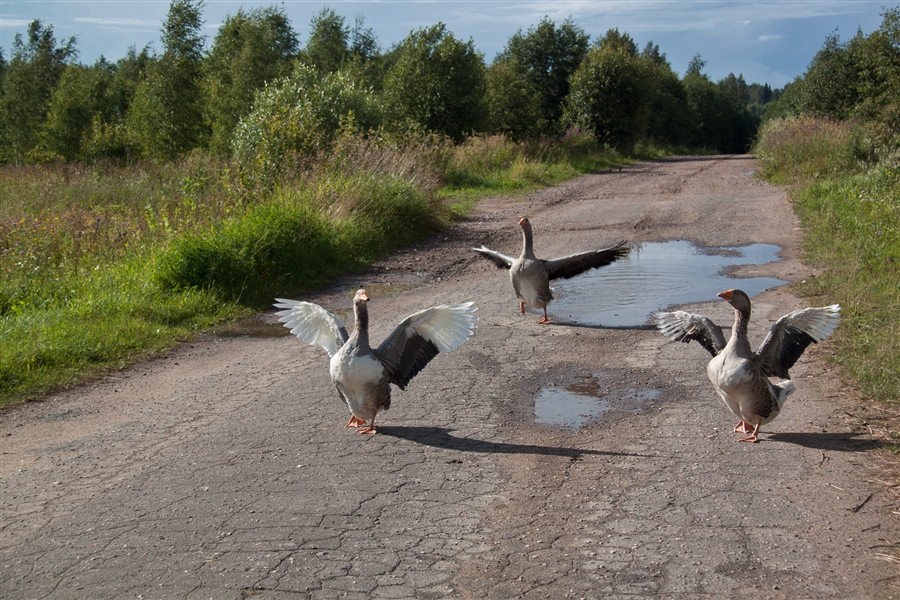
<point x="850" y="209"/>
<point x="101" y="266"/>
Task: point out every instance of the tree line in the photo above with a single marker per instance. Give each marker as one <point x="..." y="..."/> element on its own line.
<point x="256" y="94"/>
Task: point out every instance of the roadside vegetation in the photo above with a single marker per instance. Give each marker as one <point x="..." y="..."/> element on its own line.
<point x="834" y="136"/>
<point x="146" y="199"/>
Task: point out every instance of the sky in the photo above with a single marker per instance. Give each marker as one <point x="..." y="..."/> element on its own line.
<point x="769" y="42"/>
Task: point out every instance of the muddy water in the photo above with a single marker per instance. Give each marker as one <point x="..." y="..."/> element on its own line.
<point x="576" y="404"/>
<point x="656" y="276"/>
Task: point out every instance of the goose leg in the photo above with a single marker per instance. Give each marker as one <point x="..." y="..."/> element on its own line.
<point x="354" y="422"/>
<point x="522" y="307"/>
<point x="752" y="437"/>
<point x="545" y="319"/>
<point x="371" y="428"/>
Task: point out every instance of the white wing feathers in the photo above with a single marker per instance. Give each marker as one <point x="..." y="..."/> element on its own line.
<point x="312" y="324"/>
<point x="447" y="327"/>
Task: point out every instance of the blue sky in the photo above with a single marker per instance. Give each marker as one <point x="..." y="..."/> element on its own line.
<point x="766" y="42"/>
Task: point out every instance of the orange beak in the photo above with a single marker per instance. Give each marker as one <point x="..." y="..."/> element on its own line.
<point x="522" y="221"/>
<point x="726" y="295"/>
<point x="364" y="296"/>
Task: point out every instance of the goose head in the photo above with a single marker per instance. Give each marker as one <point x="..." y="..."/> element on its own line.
<point x="525" y="224"/>
<point x="736" y="298"/>
<point x="361" y="297"/>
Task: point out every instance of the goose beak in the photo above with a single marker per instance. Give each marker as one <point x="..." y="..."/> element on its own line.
<point x="522" y="222"/>
<point x="726" y="295"/>
<point x="363" y="296"/>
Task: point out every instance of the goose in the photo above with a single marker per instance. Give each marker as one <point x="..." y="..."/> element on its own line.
<point x="361" y="374"/>
<point x="531" y="276"/>
<point x="741" y="376"/>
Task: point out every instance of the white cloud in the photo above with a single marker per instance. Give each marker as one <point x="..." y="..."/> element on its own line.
<point x="116" y="21"/>
<point x="770" y="38"/>
<point x="14" y="22"/>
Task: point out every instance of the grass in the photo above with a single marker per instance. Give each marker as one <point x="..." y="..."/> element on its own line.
<point x="849" y="202"/>
<point x="103" y="265"/>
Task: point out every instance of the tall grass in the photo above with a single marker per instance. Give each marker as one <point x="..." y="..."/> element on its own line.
<point x="851" y="214"/>
<point x="101" y="265"/>
<point x="808" y="148"/>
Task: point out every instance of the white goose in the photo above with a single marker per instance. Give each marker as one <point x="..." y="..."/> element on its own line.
<point x="530" y="276"/>
<point x="362" y="375"/>
<point x="741" y="376"/>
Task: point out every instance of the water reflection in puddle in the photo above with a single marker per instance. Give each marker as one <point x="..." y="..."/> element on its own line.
<point x="576" y="404"/>
<point x="657" y="275"/>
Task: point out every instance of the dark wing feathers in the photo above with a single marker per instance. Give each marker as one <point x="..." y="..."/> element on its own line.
<point x="576" y="264"/>
<point x="791" y="335"/>
<point x="681" y="326"/>
<point x="403" y="365"/>
<point x="501" y="260"/>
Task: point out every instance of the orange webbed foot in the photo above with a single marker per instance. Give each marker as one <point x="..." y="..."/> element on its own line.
<point x="354" y="422"/>
<point x="367" y="430"/>
<point x="543" y="321"/>
<point x="741" y="427"/>
<point x="750" y="438"/>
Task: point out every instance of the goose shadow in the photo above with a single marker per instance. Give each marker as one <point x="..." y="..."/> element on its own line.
<point x="440" y="437"/>
<point x="837" y="442"/>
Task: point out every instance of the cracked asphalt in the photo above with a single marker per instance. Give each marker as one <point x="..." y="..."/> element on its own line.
<point x="222" y="469"/>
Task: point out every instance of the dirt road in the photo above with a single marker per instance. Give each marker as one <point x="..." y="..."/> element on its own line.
<point x="223" y="470"/>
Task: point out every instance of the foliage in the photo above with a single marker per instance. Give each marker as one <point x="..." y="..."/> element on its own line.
<point x="166" y="113"/>
<point x="328" y="47"/>
<point x="854" y="79"/>
<point x="513" y="101"/>
<point x="249" y="50"/>
<point x="298" y="117"/>
<point x="28" y="83"/>
<point x="437" y="83"/>
<point x="611" y="95"/>
<point x="546" y="56"/>
<point x="726" y="124"/>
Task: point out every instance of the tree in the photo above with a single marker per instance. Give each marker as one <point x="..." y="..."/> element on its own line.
<point x="32" y="74"/>
<point x="611" y="96"/>
<point x="328" y="46"/>
<point x="437" y="83"/>
<point x="547" y="56"/>
<point x="75" y="101"/>
<point x="514" y="103"/>
<point x="249" y="50"/>
<point x="166" y="114"/>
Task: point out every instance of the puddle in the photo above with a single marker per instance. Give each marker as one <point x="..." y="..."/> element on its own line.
<point x="655" y="276"/>
<point x="576" y="404"/>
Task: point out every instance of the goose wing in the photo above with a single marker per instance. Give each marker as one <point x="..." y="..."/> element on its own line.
<point x="681" y="326"/>
<point x="501" y="260"/>
<point x="312" y="324"/>
<point x="576" y="264"/>
<point x="791" y="335"/>
<point x="422" y="336"/>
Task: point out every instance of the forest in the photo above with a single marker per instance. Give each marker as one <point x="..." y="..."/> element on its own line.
<point x="255" y="78"/>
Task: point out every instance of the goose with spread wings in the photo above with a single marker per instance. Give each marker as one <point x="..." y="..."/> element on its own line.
<point x="741" y="376"/>
<point x="363" y="375"/>
<point x="531" y="276"/>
